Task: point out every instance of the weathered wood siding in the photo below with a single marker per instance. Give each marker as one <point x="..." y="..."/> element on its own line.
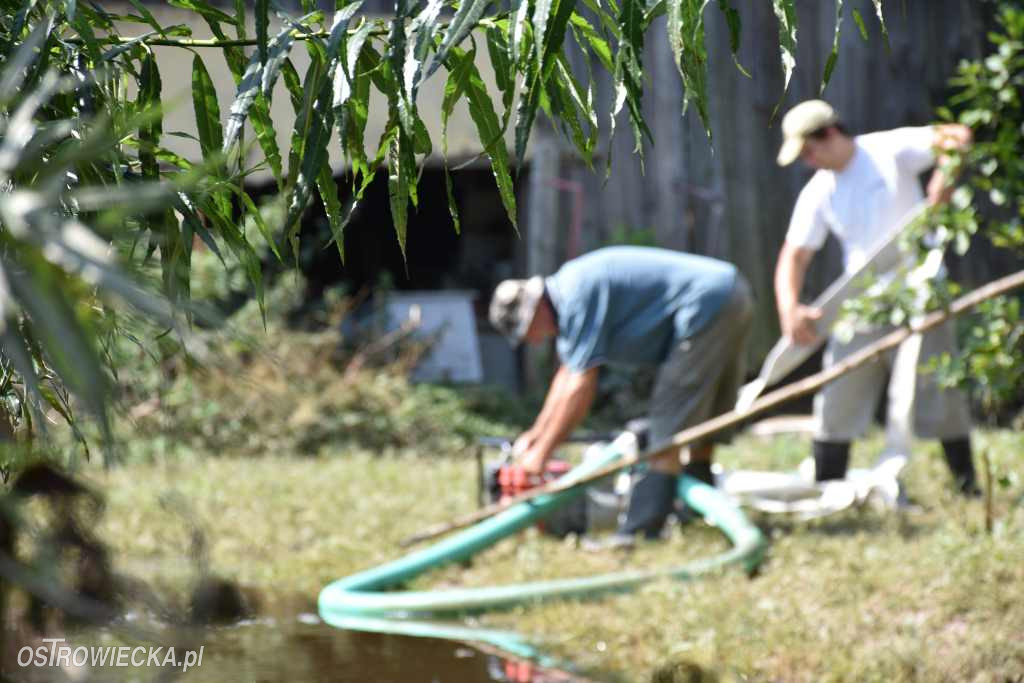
<point x="729" y="199"/>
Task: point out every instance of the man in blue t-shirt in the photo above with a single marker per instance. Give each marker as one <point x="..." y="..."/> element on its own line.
<point x="687" y="315"/>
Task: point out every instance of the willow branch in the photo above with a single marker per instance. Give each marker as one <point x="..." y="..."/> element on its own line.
<point x="297" y="35"/>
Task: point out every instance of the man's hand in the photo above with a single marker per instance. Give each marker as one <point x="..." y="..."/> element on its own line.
<point x="533" y="460"/>
<point x="939" y="189"/>
<point x="949" y="137"/>
<point x="798" y="324"/>
<point x="796" y="320"/>
<point x="523" y="443"/>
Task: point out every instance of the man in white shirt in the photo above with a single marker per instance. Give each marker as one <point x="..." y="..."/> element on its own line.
<point x="862" y="187"/>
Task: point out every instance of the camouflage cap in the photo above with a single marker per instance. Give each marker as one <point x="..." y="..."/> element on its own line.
<point x="513" y="306"/>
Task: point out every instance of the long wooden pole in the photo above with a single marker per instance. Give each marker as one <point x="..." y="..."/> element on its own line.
<point x="734" y="418"/>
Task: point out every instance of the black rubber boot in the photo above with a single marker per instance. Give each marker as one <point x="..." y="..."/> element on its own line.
<point x="701" y="471"/>
<point x="650" y="503"/>
<point x="831" y="458"/>
<point x="961" y="465"/>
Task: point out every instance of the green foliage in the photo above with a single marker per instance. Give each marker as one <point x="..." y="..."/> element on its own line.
<point x="59" y="166"/>
<point x="990" y="357"/>
<point x="989" y="204"/>
<point x="276" y="391"/>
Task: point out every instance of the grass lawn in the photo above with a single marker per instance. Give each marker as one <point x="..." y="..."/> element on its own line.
<point x="864" y="595"/>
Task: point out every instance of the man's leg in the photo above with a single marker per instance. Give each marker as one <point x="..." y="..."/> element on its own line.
<point x="699" y="466"/>
<point x="689" y="389"/>
<point x="831" y="458"/>
<point x="843" y="408"/>
<point x="961" y="465"/>
<point x="943" y="414"/>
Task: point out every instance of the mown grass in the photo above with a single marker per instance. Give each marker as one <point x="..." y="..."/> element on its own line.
<point x="865" y="595"/>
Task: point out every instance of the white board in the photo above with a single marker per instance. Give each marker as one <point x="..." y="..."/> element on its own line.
<point x="448" y="315"/>
<point x="786" y="356"/>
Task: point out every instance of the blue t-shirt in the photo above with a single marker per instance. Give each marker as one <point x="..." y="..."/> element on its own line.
<point x="628" y="305"/>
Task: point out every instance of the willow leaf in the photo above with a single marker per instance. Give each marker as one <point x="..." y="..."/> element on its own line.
<point x="541" y="13"/>
<point x="357" y="114"/>
<point x="526" y="109"/>
<point x="266" y="134"/>
<point x="453" y="206"/>
<point x="881" y="22"/>
<point x="397" y="39"/>
<point x="830" y="63"/>
<point x="519" y="26"/>
<point x="207" y="109"/>
<point x="504" y="73"/>
<point x="785" y="12"/>
<point x="257" y="218"/>
<point x="204" y="9"/>
<point x="692" y="57"/>
<point x="345" y="76"/>
<point x="13" y="346"/>
<point x="541" y="71"/>
<point x="732" y="20"/>
<point x="149" y="100"/>
<point x="336" y="215"/>
<point x="175" y="257"/>
<point x="240" y="21"/>
<point x="17" y="65"/>
<point x="254" y="77"/>
<point x="597" y="44"/>
<point x="628" y="75"/>
<point x="233" y="237"/>
<point x="555" y="39"/>
<point x="338" y="38"/>
<point x="65" y="342"/>
<point x="423" y="30"/>
<point x="465" y="20"/>
<point x="401" y="169"/>
<point x="481" y="109"/>
<point x="583" y="102"/>
<point x="454" y="89"/>
<point x="92" y="45"/>
<point x="859" y="20"/>
<point x="262" y="26"/>
<point x="315" y="138"/>
<point x="608" y="23"/>
<point x="292" y="84"/>
<point x="187" y="209"/>
<point x="121" y="48"/>
<point x="277" y="52"/>
<point x="148" y="17"/>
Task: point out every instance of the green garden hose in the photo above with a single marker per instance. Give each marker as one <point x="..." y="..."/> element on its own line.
<point x="359" y="601"/>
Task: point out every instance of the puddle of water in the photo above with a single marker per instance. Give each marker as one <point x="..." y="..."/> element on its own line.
<point x="271" y="649"/>
<point x="262" y="651"/>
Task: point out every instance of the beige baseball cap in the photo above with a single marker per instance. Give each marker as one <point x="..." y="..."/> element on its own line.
<point x="801" y="121"/>
<point x="513" y="306"/>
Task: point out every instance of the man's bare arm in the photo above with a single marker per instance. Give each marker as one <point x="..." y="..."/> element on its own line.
<point x="796" y="320"/>
<point x="526" y="440"/>
<point x="570" y="398"/>
<point x="949" y="137"/>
